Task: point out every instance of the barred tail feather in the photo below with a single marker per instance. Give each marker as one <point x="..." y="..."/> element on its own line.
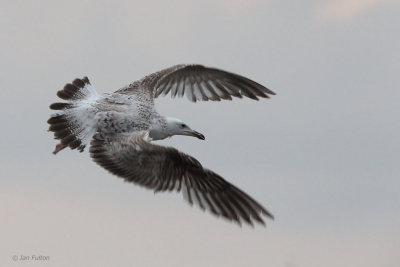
<point x="78" y="89"/>
<point x="75" y="124"/>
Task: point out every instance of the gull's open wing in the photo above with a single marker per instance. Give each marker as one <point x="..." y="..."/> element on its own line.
<point x="165" y="168"/>
<point x="198" y="83"/>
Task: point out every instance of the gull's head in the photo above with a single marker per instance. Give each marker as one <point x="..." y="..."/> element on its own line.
<point x="178" y="127"/>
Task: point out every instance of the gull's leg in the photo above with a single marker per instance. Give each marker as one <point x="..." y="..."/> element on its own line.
<point x="59" y="147"/>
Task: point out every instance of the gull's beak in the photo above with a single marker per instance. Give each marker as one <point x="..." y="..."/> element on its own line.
<point x="196" y="134"/>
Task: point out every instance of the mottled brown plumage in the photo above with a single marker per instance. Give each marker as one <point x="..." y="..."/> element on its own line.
<point x="199" y="83"/>
<point x="121" y="125"/>
<point x="162" y="168"/>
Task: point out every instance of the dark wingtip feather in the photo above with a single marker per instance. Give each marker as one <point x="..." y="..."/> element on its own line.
<point x="268" y="214"/>
<point x="57" y="127"/>
<point x="268" y="91"/>
<point x="70" y="88"/>
<point x="86" y="80"/>
<point x="64" y="95"/>
<point x="78" y="83"/>
<point x="60" y="106"/>
<point x="57" y="119"/>
<point x="61" y="134"/>
<point x="67" y="140"/>
<point x="74" y="144"/>
<point x="73" y="90"/>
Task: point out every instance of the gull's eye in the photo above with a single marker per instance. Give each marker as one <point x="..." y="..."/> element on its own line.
<point x="183" y="125"/>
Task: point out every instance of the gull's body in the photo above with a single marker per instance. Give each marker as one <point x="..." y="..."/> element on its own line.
<point x="120" y="127"/>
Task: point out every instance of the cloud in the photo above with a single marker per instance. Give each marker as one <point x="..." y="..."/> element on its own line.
<point x="344" y="10"/>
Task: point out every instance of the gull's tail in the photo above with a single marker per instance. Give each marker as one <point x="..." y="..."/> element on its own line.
<point x="75" y="123"/>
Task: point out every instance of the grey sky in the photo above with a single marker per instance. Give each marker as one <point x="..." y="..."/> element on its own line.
<point x="322" y="155"/>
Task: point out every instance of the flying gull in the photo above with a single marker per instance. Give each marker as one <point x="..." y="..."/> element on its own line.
<point x="121" y="126"/>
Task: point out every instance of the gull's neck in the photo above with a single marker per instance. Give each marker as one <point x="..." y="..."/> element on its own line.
<point x="158" y="127"/>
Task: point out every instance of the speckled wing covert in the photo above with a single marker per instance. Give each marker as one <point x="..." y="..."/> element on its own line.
<point x="165" y="169"/>
<point x="200" y="83"/>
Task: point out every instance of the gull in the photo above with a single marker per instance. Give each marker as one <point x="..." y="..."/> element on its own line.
<point x="121" y="126"/>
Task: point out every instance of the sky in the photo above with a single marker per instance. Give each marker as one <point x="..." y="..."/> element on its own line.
<point x="322" y="155"/>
